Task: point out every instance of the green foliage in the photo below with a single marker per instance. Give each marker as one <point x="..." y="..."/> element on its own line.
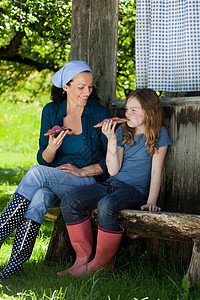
<point x="186" y="286"/>
<point x="35" y="88"/>
<point x="126" y="48"/>
<point x="45" y="26"/>
<point x="36" y="35"/>
<point x="33" y="35"/>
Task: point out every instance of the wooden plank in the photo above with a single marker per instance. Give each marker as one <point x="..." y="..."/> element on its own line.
<point x="162" y="225"/>
<point x="94" y="39"/>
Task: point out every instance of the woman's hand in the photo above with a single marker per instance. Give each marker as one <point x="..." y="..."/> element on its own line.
<point x="150" y="207"/>
<point x="68" y="168"/>
<point x="108" y="128"/>
<point x="56" y="142"/>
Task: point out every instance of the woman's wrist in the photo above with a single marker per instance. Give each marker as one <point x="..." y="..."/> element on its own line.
<point x="92" y="170"/>
<point x="48" y="155"/>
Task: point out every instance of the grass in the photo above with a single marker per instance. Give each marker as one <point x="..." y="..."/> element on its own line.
<point x="137" y="275"/>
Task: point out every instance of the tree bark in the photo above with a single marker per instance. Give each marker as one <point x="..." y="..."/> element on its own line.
<point x="60" y="248"/>
<point x="162" y="225"/>
<point x="194" y="267"/>
<point x="94" y="33"/>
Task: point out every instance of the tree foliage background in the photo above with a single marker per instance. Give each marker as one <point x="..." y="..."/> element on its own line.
<point x="35" y="42"/>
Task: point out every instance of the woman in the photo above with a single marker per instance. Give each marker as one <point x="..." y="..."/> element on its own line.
<point x="135" y="157"/>
<point x="67" y="160"/>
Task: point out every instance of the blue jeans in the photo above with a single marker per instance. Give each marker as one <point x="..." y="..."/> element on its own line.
<point x="108" y="197"/>
<point x="45" y="187"/>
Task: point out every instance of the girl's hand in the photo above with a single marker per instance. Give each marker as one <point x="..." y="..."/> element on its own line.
<point x="150" y="207"/>
<point x="68" y="168"/>
<point x="56" y="142"/>
<point x="108" y="128"/>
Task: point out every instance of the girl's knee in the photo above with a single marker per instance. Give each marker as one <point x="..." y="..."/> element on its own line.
<point x="105" y="207"/>
<point x="71" y="211"/>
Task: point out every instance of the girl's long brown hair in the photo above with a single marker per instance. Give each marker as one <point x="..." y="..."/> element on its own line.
<point x="154" y="118"/>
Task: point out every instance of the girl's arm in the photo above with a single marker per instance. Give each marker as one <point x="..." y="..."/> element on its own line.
<point x="156" y="174"/>
<point x="114" y="154"/>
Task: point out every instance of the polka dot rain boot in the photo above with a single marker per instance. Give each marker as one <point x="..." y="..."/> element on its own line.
<point x="12" y="215"/>
<point x="22" y="247"/>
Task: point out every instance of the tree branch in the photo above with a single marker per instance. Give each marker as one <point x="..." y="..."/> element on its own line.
<point x="12" y="49"/>
<point x="39" y="66"/>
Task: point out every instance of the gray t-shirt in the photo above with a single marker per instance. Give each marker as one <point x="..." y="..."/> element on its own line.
<point x="137" y="163"/>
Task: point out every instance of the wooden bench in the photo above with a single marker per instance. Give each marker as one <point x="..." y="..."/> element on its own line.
<point x="162" y="225"/>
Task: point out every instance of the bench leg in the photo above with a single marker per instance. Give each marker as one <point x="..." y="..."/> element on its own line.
<point x="194" y="267"/>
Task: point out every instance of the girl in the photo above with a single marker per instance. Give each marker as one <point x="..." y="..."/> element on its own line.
<point x="135" y="156"/>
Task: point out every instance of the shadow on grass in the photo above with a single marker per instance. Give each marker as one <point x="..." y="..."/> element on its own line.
<point x="12" y="176"/>
<point x="9" y="179"/>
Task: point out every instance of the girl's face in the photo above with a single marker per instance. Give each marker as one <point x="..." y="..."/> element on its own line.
<point x="135" y="114"/>
<point x="79" y="89"/>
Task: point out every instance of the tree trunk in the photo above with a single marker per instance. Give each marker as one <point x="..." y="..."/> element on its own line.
<point x="94" y="35"/>
<point x="60" y="248"/>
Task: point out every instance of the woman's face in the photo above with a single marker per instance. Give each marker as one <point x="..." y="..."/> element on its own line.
<point x="79" y="89"/>
<point x="135" y="114"/>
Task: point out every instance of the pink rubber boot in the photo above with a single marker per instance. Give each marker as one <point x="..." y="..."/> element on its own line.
<point x="81" y="238"/>
<point x="107" y="246"/>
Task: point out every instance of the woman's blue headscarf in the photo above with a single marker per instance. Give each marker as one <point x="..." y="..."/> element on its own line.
<point x="66" y="73"/>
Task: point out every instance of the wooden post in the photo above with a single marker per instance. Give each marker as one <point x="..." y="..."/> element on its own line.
<point x="181" y="176"/>
<point x="94" y="39"/>
<point x="194" y="267"/>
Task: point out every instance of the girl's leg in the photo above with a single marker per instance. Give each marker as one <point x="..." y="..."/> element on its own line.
<point x="107" y="246"/>
<point x="85" y="198"/>
<point x="109" y="231"/>
<point x="122" y="197"/>
<point x="81" y="238"/>
<point x="79" y="226"/>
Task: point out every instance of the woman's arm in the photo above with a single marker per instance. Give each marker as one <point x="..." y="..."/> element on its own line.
<point x="156" y="174"/>
<point x="91" y="170"/>
<point x="47" y="145"/>
<point x="54" y="143"/>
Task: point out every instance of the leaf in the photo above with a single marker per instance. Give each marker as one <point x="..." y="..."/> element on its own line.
<point x="186" y="284"/>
